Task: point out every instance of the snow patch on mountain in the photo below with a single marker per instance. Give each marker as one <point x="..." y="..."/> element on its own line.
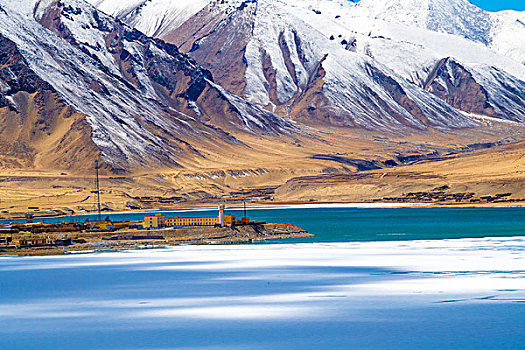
<point x="269" y="35"/>
<point x="246" y="111"/>
<point x="508" y="35"/>
<point x="152" y="17"/>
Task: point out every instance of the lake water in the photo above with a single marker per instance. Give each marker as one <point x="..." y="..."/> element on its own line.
<point x="346" y="224"/>
<point x="353" y="286"/>
<point x="436" y="294"/>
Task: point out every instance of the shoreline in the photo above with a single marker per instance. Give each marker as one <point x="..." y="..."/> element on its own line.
<point x="136" y="239"/>
<point x="93" y="249"/>
<point x="284" y="205"/>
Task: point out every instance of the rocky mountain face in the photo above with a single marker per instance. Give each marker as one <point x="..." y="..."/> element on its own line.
<point x="139" y="101"/>
<point x="151" y="83"/>
<point x="375" y="64"/>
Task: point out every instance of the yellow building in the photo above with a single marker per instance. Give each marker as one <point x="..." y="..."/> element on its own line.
<point x="199" y="221"/>
<point x="155" y="221"/>
<point x="229" y="220"/>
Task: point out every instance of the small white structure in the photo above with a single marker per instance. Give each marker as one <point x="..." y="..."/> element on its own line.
<point x="221" y="215"/>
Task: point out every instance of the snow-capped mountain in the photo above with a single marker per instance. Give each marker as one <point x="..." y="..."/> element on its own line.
<point x="140" y="101"/>
<point x="374" y="64"/>
<point x="500" y="31"/>
<point x="76" y="82"/>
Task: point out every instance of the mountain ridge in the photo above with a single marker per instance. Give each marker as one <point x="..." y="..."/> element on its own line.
<point x="497" y="30"/>
<point x="266" y="35"/>
<point x="140" y="96"/>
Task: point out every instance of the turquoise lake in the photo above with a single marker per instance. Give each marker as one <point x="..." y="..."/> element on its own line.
<point x="345" y="224"/>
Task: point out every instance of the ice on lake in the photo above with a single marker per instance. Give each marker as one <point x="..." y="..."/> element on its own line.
<point x="466" y="293"/>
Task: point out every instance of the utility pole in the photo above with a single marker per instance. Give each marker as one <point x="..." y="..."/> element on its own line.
<point x="98" y="189"/>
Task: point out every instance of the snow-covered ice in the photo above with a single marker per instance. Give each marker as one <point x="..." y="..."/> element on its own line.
<point x="467" y="293"/>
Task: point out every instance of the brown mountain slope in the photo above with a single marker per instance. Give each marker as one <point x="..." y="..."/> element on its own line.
<point x="289" y="173"/>
<point x="466" y="179"/>
<point x="38" y="129"/>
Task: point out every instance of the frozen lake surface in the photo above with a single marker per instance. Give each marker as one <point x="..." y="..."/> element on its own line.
<point x="465" y="293"/>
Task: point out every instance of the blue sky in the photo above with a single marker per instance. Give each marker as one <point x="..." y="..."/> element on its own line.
<point x="495" y="5"/>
